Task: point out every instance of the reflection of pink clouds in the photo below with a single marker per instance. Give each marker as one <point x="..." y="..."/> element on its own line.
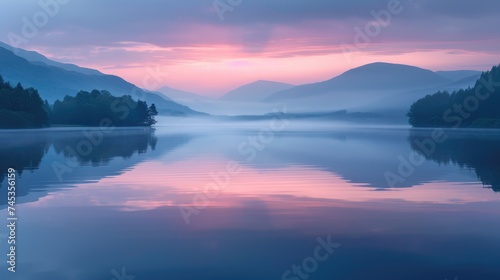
<point x="288" y="190"/>
<point x="145" y="204"/>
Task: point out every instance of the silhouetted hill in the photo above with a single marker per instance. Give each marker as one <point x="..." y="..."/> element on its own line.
<point x="375" y="76"/>
<point x="40" y="59"/>
<point x="54" y="82"/>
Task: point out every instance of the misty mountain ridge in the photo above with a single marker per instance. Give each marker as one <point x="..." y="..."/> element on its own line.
<point x="375" y="87"/>
<point x="54" y="82"/>
<point x="379" y="87"/>
<point x="459" y="74"/>
<point x="39" y="59"/>
<point x="243" y="100"/>
<point x="178" y="95"/>
<point x="255" y="92"/>
<point x="378" y="76"/>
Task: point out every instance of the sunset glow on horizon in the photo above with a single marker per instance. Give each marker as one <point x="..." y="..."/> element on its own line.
<point x="187" y="46"/>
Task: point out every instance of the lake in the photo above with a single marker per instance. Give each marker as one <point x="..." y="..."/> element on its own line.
<point x="253" y="200"/>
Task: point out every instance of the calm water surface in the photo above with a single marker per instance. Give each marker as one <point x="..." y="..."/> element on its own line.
<point x="203" y="201"/>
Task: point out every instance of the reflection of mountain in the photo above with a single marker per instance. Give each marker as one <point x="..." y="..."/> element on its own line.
<point x="359" y="156"/>
<point x="38" y="151"/>
<point x="478" y="152"/>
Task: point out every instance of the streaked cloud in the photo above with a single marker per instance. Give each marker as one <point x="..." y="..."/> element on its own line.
<point x="120" y="36"/>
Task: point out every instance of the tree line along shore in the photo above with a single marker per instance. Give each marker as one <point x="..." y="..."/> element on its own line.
<point x="24" y="108"/>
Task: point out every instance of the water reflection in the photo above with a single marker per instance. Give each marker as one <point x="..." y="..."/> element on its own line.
<point x="475" y="150"/>
<point x="99" y="148"/>
<point x="120" y="208"/>
<point x="41" y="151"/>
<point x="331" y="164"/>
<point x="21" y="151"/>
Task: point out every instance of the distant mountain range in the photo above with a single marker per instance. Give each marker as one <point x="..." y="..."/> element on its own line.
<point x="245" y="99"/>
<point x="195" y="101"/>
<point x="378" y="76"/>
<point x="376" y="87"/>
<point x="373" y="88"/>
<point x="54" y="80"/>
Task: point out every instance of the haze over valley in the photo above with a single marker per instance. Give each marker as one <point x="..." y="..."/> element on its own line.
<point x="249" y="139"/>
<point x="383" y="88"/>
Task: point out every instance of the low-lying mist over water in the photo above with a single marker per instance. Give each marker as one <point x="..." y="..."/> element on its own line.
<point x="249" y="140"/>
<point x="204" y="188"/>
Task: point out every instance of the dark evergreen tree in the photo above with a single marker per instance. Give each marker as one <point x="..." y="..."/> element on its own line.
<point x="152" y="113"/>
<point x="21" y="108"/>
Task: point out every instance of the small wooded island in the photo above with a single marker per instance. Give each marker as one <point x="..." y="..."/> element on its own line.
<point x="24" y="108"/>
<point x="476" y="107"/>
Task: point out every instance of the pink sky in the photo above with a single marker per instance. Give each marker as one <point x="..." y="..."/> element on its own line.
<point x="193" y="49"/>
<point x="216" y="69"/>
